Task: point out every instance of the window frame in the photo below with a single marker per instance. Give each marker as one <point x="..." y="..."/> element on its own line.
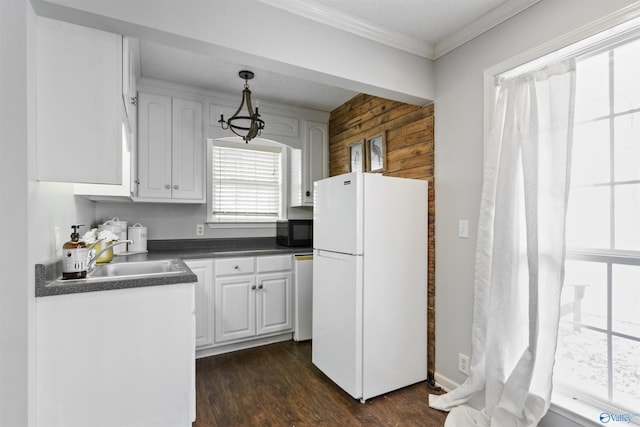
<point x="607" y="256"/>
<point x="602" y="34"/>
<point x="284" y="174"/>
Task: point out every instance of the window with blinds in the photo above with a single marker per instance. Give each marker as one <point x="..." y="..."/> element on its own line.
<point x="246" y="182"/>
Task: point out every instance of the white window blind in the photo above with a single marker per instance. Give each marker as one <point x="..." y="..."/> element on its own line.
<point x="246" y="183"/>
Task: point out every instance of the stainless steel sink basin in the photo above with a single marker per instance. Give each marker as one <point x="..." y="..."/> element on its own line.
<point x="130" y="270"/>
<point x="139" y="268"/>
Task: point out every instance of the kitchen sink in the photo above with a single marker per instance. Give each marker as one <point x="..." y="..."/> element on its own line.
<point x="139" y="268"/>
<point x="129" y="270"/>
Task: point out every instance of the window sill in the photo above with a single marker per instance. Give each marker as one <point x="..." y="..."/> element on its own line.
<point x="271" y="225"/>
<point x="574" y="409"/>
<point x="581" y="412"/>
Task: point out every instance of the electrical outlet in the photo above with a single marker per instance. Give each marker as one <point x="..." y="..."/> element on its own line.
<point x="463" y="363"/>
<point x="200" y="230"/>
<point x="463" y="229"/>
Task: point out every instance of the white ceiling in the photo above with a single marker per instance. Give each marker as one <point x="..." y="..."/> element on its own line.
<point x="428" y="28"/>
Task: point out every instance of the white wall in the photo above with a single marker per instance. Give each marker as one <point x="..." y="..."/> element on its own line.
<point x="459" y="131"/>
<point x="28" y="212"/>
<point x="178" y="221"/>
<point x="13" y="191"/>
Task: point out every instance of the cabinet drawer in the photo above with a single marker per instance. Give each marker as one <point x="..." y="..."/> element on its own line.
<point x="227" y="266"/>
<point x="274" y="263"/>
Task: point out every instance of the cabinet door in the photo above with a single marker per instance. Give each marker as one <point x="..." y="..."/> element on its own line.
<point x="79" y="106"/>
<point x="316" y="157"/>
<point x="274" y="301"/>
<point x="154" y="146"/>
<point x="187" y="177"/>
<point x="235" y="308"/>
<point x="309" y="164"/>
<point x="204" y="301"/>
<point x="129" y="76"/>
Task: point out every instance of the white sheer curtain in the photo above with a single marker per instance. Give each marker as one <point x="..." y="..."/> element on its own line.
<point x="519" y="255"/>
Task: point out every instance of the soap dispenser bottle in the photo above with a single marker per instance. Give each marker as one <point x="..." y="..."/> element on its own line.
<point x="75" y="256"/>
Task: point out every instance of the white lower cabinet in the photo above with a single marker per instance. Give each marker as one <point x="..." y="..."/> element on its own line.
<point x="116" y="358"/>
<point x="204" y="300"/>
<point x="253" y="297"/>
<point x="235" y="308"/>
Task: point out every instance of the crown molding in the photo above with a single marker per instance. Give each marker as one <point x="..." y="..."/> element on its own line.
<point x="331" y="17"/>
<point x="328" y="16"/>
<point x="614" y="26"/>
<point x="483" y="24"/>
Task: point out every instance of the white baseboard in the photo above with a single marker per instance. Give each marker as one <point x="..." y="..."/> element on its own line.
<point x="445" y="383"/>
<point x="221" y="349"/>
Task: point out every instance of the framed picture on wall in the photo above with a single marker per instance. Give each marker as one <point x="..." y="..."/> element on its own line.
<point x="356" y="157"/>
<point x="376" y="153"/>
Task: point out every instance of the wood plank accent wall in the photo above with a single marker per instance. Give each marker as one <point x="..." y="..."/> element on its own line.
<point x="410" y="154"/>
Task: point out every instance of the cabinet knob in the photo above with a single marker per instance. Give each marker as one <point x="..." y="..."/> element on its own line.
<point x="175" y="187"/>
<point x="308" y="193"/>
<point x="253" y="287"/>
<point x="167" y="186"/>
<point x="237" y="267"/>
<point x="260" y="287"/>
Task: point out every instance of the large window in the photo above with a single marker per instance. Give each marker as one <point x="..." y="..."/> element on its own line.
<point x="598" y="355"/>
<point x="246" y="182"/>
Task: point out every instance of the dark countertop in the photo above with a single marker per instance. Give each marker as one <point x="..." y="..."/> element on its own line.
<point x="175" y="250"/>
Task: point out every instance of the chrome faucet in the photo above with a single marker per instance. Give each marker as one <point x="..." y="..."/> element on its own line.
<point x="92" y="261"/>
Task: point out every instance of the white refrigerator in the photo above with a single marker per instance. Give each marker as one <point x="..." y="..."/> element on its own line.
<point x="369" y="329"/>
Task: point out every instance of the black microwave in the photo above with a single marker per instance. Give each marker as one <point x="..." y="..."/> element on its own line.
<point x="295" y="232"/>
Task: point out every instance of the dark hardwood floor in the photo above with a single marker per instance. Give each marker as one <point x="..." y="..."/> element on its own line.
<point x="277" y="385"/>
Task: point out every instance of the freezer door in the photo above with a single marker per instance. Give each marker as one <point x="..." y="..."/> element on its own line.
<point x="337" y="319"/>
<point x="337" y="214"/>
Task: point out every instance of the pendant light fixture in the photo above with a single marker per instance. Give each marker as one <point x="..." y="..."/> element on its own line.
<point x="249" y="125"/>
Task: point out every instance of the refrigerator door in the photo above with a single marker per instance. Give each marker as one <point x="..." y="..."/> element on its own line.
<point x="338" y="213"/>
<point x="395" y="283"/>
<point x="337" y="319"/>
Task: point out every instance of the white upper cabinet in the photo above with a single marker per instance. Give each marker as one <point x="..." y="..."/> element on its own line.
<point x="127" y="189"/>
<point x="79" y="104"/>
<point x="130" y="71"/>
<point x="154" y="146"/>
<point x="188" y="148"/>
<point x="309" y="164"/>
<point x="170" y="149"/>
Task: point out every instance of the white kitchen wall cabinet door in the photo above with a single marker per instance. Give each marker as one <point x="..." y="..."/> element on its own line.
<point x="128" y="187"/>
<point x="188" y="148"/>
<point x="274" y="298"/>
<point x="130" y="48"/>
<point x="204" y="301"/>
<point x="116" y="358"/>
<point x="309" y="164"/>
<point x="171" y="149"/>
<point x="79" y="104"/>
<point x="154" y="146"/>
